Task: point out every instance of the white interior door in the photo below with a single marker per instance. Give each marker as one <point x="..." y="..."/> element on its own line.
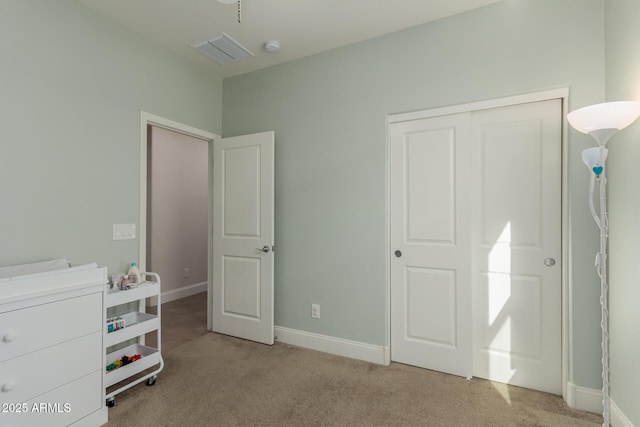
<point x="243" y="215"/>
<point x="475" y="204"/>
<point x="430" y="243"/>
<point x="517" y="244"/>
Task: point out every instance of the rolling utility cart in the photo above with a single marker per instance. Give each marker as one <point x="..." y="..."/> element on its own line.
<point x="131" y="360"/>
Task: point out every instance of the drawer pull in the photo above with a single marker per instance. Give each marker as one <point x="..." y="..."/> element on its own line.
<point x="9" y="336"/>
<point x="8" y="386"/>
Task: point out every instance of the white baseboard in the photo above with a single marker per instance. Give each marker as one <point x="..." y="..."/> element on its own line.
<point x="183" y="292"/>
<point x="585" y="399"/>
<point x="332" y="345"/>
<point x="618" y="418"/>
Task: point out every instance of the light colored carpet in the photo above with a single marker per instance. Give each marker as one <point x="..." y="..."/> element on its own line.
<point x="216" y="380"/>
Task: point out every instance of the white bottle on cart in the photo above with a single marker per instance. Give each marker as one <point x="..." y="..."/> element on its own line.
<point x="134" y="274"/>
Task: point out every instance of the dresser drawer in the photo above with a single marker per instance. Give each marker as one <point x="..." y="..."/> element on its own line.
<point x="59" y="407"/>
<point x="23" y="378"/>
<point x="34" y="328"/>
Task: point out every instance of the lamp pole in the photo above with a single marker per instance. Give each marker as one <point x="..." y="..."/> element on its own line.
<point x="604" y="291"/>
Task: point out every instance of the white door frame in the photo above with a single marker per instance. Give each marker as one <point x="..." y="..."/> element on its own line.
<point x="148" y="119"/>
<point x="567" y="328"/>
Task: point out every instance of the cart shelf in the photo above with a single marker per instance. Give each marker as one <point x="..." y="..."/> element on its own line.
<point x="142" y="291"/>
<point x="135" y="324"/>
<point x="150" y="357"/>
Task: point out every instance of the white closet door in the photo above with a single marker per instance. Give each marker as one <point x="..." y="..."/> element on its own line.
<point x="430" y="241"/>
<point x="517" y="245"/>
<point x="475" y="215"/>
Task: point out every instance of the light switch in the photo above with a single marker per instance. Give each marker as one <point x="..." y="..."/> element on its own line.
<point x="124" y="231"/>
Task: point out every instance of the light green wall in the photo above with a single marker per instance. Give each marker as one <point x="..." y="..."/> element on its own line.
<point x="623" y="83"/>
<point x="72" y="84"/>
<point x="328" y="112"/>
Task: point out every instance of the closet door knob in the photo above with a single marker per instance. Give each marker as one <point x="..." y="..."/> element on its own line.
<point x="9" y="336"/>
<point x="398" y="254"/>
<point x="549" y="262"/>
<point x="8" y="386"/>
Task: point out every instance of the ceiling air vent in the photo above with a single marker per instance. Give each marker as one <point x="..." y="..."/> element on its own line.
<point x="222" y="49"/>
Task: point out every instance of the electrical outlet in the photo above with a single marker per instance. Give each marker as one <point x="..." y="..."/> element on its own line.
<point x="186" y="273"/>
<point x="315" y="311"/>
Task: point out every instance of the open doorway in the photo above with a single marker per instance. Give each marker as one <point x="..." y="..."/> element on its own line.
<point x="177" y="211"/>
<point x="174" y="223"/>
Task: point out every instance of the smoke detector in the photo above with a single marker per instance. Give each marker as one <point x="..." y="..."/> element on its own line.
<point x="272" y="46"/>
<point x="222" y="49"/>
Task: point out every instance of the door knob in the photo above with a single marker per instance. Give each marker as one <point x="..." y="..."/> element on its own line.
<point x="8" y="386"/>
<point x="264" y="249"/>
<point x="398" y="254"/>
<point x="549" y="262"/>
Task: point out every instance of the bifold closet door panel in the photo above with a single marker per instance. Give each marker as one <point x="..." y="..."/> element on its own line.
<point x="517" y="244"/>
<point x="430" y="241"/>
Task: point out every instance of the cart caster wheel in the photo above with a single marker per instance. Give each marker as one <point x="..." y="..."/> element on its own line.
<point x="151" y="381"/>
<point x="111" y="402"/>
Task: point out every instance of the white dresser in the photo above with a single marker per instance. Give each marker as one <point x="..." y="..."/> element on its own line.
<point x="51" y="349"/>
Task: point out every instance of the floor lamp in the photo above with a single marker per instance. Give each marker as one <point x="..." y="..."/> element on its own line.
<point x="602" y="121"/>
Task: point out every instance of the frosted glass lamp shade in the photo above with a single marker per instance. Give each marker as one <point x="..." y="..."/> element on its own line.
<point x="594" y="158"/>
<point x="603" y="120"/>
<point x="609" y="115"/>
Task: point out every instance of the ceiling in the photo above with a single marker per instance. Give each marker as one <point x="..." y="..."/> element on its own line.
<point x="303" y="27"/>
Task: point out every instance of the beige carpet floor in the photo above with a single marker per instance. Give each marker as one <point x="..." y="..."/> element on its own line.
<point x="216" y="380"/>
